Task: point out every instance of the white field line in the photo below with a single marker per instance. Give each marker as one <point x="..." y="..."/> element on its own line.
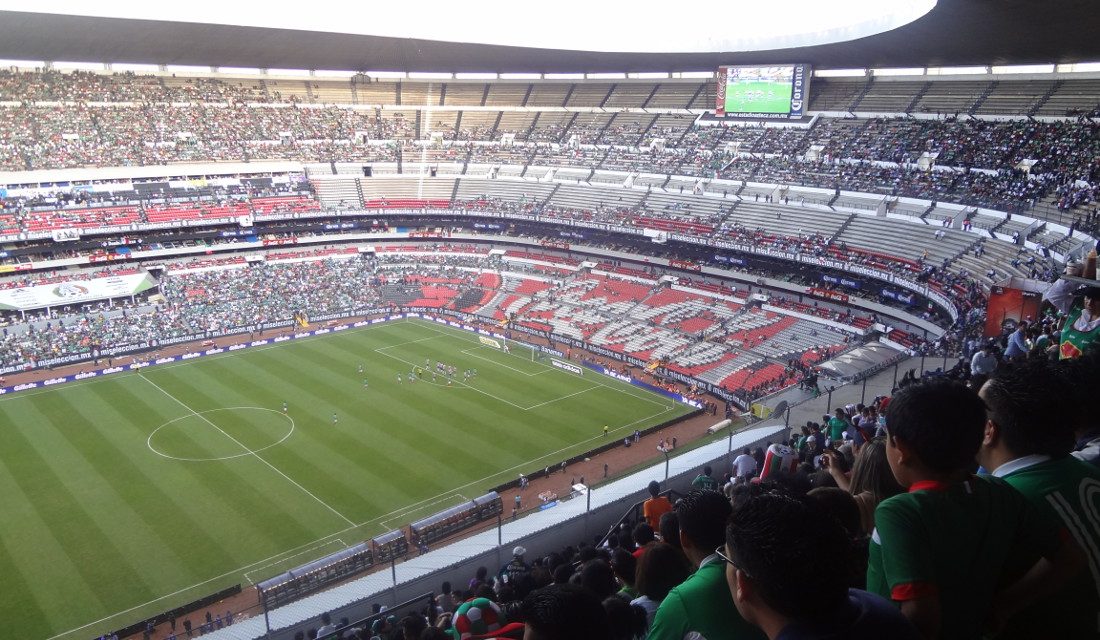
<point x="543" y="404"/>
<point x="163" y="367"/>
<point x="461" y="384"/>
<point x="470" y="352"/>
<point x="242" y="446"/>
<point x="237" y="571"/>
<point x="457" y="333"/>
<point x="377" y="519"/>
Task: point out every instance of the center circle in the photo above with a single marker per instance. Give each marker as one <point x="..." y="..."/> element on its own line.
<point x="244" y="431"/>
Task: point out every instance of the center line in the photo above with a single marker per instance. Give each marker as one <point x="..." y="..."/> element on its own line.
<point x="241" y="445"/>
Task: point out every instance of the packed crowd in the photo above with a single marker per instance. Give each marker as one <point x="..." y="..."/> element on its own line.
<point x="940" y="512"/>
<point x="146" y="124"/>
<point x="196" y="303"/>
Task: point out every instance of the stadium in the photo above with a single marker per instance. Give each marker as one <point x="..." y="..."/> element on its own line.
<point x="301" y="321"/>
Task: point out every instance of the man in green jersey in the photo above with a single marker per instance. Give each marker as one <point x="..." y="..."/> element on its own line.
<point x="1028" y="438"/>
<point x="705" y="481"/>
<point x="837" y="425"/>
<point x="701" y="606"/>
<point x="944" y="549"/>
<point x="1081" y="325"/>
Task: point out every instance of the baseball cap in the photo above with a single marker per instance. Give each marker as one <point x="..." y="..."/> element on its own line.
<point x="519" y="551"/>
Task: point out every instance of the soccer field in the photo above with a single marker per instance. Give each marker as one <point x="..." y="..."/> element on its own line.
<point x="131" y="494"/>
<point x="758" y="97"/>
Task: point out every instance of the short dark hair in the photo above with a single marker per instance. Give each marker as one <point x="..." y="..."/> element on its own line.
<point x="564" y="612"/>
<point x="669" y="526"/>
<point x="642" y="534"/>
<point x="661" y="568"/>
<point x="841" y="505"/>
<point x="942" y="422"/>
<point x="766" y="537"/>
<point x="654" y="488"/>
<point x="598" y="577"/>
<point x="625" y="565"/>
<point x="707" y="470"/>
<point x="414" y="624"/>
<point x="1031" y="408"/>
<point x="624" y="620"/>
<point x="702" y="515"/>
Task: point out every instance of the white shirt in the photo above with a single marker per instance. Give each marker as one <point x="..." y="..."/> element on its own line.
<point x="982" y="363"/>
<point x="1019" y="463"/>
<point x="745" y="465"/>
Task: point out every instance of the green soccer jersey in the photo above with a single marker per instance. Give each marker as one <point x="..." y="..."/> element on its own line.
<point x="1077" y="335"/>
<point x="705" y="482"/>
<point x="1067" y="491"/>
<point x="954" y="542"/>
<point x="702" y="604"/>
<point x="836" y="429"/>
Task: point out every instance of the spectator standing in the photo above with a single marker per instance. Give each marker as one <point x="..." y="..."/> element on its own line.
<point x="1028" y="437"/>
<point x="766" y="556"/>
<point x="744" y="466"/>
<point x="656" y="506"/>
<point x="326" y="626"/>
<point x="563" y="612"/>
<point x="942" y="549"/>
<point x="705" y="480"/>
<point x="516" y="567"/>
<point x="445" y="601"/>
<point x="837" y="424"/>
<point x="701" y="604"/>
<point x="1017" y="342"/>
<point x="982" y="365"/>
<point x="661" y="568"/>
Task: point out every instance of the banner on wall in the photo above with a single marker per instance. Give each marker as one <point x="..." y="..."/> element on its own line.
<point x="74" y="292"/>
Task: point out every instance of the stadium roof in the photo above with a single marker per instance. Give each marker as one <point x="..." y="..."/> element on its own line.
<point x="954" y="32"/>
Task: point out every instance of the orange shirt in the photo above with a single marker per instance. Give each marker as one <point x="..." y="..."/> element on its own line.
<point x="654" y="508"/>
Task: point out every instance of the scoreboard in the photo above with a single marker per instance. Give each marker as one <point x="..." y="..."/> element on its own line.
<point x="774" y="92"/>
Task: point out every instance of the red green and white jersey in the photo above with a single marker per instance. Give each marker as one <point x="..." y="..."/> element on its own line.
<point x="955" y="542"/>
<point x="1066" y="491"/>
<point x="1077" y="334"/>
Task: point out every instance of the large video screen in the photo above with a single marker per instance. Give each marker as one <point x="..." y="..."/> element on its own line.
<point x="777" y="91"/>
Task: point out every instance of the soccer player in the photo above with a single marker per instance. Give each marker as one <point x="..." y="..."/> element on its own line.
<point x="365" y="385"/>
<point x="333" y="417"/>
<point x="360" y="368"/>
<point x="951" y="550"/>
<point x="605" y="429"/>
<point x="284" y="407"/>
<point x="1028" y="438"/>
<point x="398" y="378"/>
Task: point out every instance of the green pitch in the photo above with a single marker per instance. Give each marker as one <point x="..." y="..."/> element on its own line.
<point x="758" y="97"/>
<point x="132" y="494"/>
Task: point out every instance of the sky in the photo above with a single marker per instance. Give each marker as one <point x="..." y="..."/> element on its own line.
<point x="582" y="25"/>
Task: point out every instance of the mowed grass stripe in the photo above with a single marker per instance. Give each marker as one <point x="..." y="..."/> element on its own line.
<point x="74" y="506"/>
<point x="40" y="578"/>
<point x="397" y="448"/>
<point x="147" y="533"/>
<point x="307" y="511"/>
<point x="395" y="441"/>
